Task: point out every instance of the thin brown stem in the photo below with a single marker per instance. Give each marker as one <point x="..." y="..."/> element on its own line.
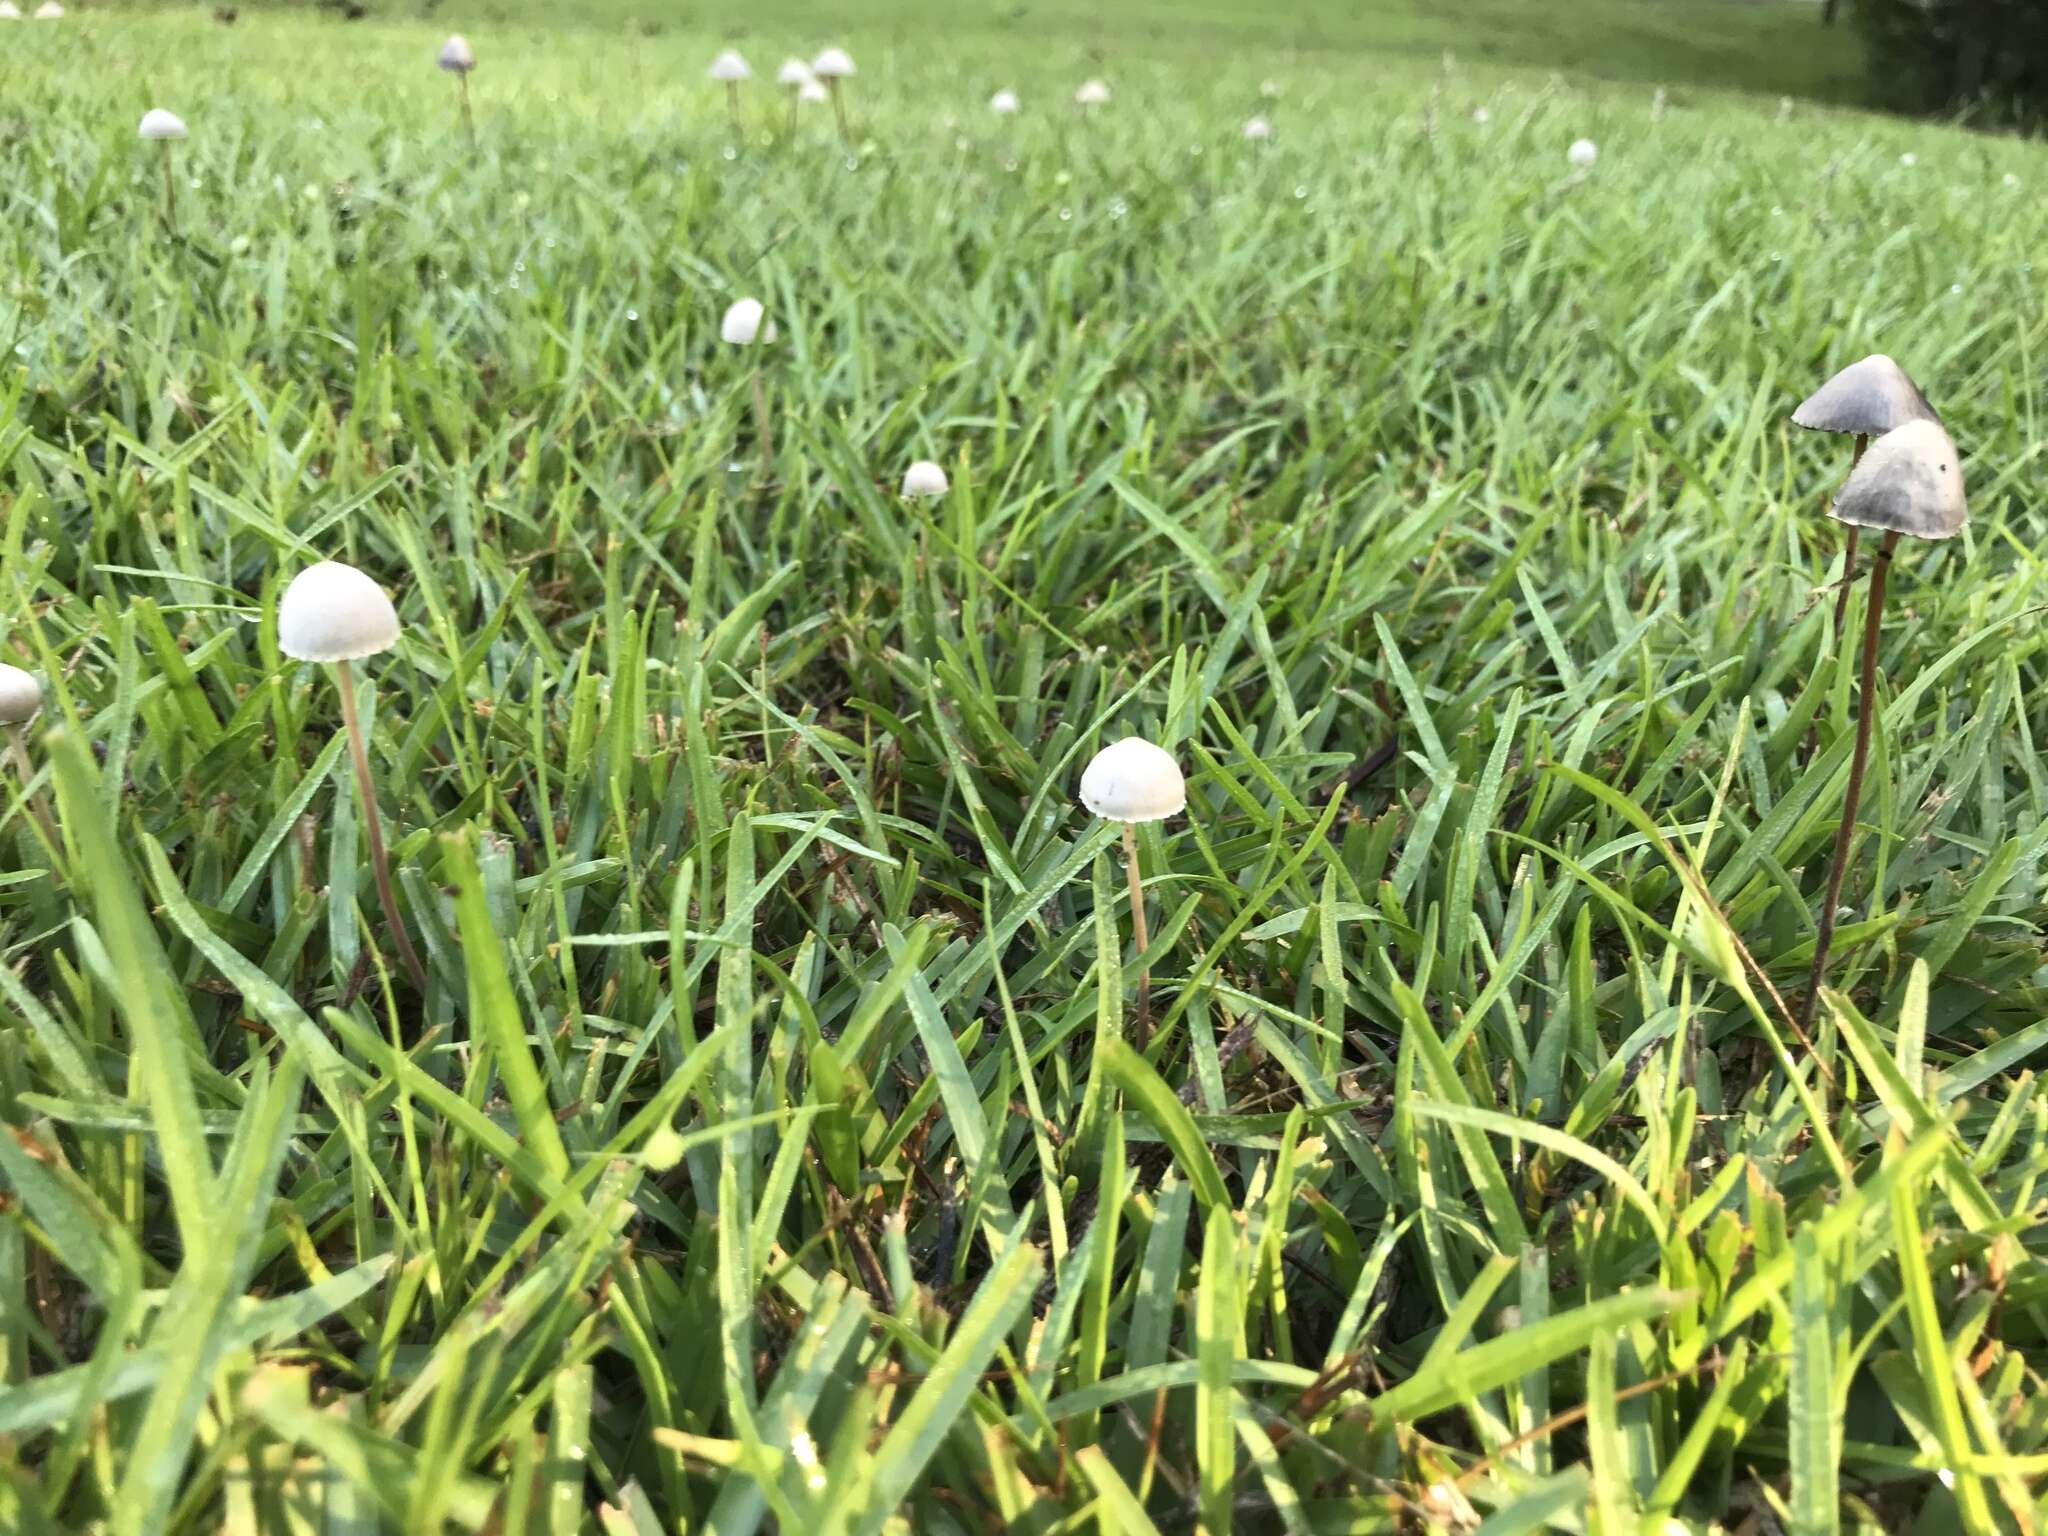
<point x="839" y="111"/>
<point x="1845" y="832"/>
<point x="732" y="103"/>
<point x="380" y="866"/>
<point x="1849" y="549"/>
<point x="789" y="132"/>
<point x="468" y="122"/>
<point x="170" y="188"/>
<point x="45" y="827"/>
<point x="1138" y="933"/>
<point x="765" y="442"/>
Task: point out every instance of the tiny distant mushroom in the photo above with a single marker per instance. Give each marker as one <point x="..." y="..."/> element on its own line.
<point x="49" y="10"/>
<point x="742" y="327"/>
<point x="1133" y="781"/>
<point x="1257" y="129"/>
<point x="334" y="614"/>
<point x="9" y="11"/>
<point x="21" y="698"/>
<point x="1005" y="104"/>
<point x="1866" y="399"/>
<point x="832" y="66"/>
<point x="731" y="67"/>
<point x="925" y="479"/>
<point x="1583" y="154"/>
<point x="793" y="76"/>
<point x="458" y="59"/>
<point x="165" y="128"/>
<point x="1910" y="482"/>
<point x="1091" y="93"/>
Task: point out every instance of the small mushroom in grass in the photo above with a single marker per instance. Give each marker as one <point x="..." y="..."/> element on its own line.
<point x="1910" y="482"/>
<point x="1257" y="129"/>
<point x="49" y="10"/>
<point x="9" y="11"/>
<point x="794" y="75"/>
<point x="1583" y="154"/>
<point x="833" y="66"/>
<point x="1091" y="93"/>
<point x="731" y="67"/>
<point x="741" y="327"/>
<point x="1864" y="400"/>
<point x="1005" y="104"/>
<point x="165" y="128"/>
<point x="458" y="59"/>
<point x="924" y="478"/>
<point x="813" y="91"/>
<point x="21" y="697"/>
<point x="1132" y="781"/>
<point x="335" y="614"/>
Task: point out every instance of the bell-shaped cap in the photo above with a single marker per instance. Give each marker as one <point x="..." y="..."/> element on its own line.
<point x="49" y="10"/>
<point x="159" y="124"/>
<point x="1132" y="780"/>
<point x="742" y="323"/>
<point x="20" y="695"/>
<point x="1582" y="154"/>
<point x="333" y="612"/>
<point x="9" y="11"/>
<point x="793" y="72"/>
<point x="832" y="64"/>
<point x="730" y="65"/>
<point x="1911" y="481"/>
<point x="924" y="478"/>
<point x="813" y="89"/>
<point x="1257" y="128"/>
<point x="1005" y="104"/>
<point x="456" y="56"/>
<point x="1869" y="398"/>
<point x="1091" y="93"/>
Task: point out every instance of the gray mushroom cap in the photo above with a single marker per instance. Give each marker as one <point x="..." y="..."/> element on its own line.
<point x="1911" y="481"/>
<point x="1869" y="398"/>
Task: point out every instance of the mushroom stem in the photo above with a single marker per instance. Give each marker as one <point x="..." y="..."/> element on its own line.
<point x="462" y="94"/>
<point x="45" y="828"/>
<point x="1849" y="549"/>
<point x="839" y="111"/>
<point x="732" y="103"/>
<point x="789" y="131"/>
<point x="1845" y="831"/>
<point x="765" y="442"/>
<point x="1138" y="934"/>
<point x="380" y="865"/>
<point x="170" y="187"/>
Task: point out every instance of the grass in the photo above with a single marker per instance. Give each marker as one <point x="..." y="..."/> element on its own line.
<point x="772" y="1147"/>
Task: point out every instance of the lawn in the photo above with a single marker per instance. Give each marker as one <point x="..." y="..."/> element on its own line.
<point x="776" y="1141"/>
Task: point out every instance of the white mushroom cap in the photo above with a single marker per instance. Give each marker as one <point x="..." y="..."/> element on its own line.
<point x="1256" y="128"/>
<point x="159" y="124"/>
<point x="333" y="612"/>
<point x="924" y="478"/>
<point x="1911" y="481"/>
<point x="1869" y="398"/>
<point x="49" y="10"/>
<point x="1482" y="114"/>
<point x="1583" y="153"/>
<point x="1132" y="780"/>
<point x="456" y="56"/>
<point x="793" y="72"/>
<point x="1091" y="93"/>
<point x="742" y="322"/>
<point x="832" y="64"/>
<point x="9" y="11"/>
<point x="730" y="65"/>
<point x="1004" y="104"/>
<point x="20" y="695"/>
<point x="813" y="89"/>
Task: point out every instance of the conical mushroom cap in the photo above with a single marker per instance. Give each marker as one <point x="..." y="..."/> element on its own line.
<point x="456" y="56"/>
<point x="159" y="124"/>
<point x="333" y="612"/>
<point x="813" y="89"/>
<point x="20" y="695"/>
<point x="1911" y="481"/>
<point x="730" y="65"/>
<point x="924" y="478"/>
<point x="1869" y="398"/>
<point x="1091" y="93"/>
<point x="793" y="72"/>
<point x="832" y="64"/>
<point x="741" y="325"/>
<point x="1132" y="780"/>
<point x="9" y="11"/>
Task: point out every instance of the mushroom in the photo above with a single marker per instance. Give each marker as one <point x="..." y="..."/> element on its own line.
<point x="1132" y="781"/>
<point x="812" y="90"/>
<point x="335" y="614"/>
<point x="1910" y="482"/>
<point x="924" y="478"/>
<point x="49" y="10"/>
<point x="21" y="697"/>
<point x="1582" y="154"/>
<point x="458" y="59"/>
<point x="833" y="66"/>
<point x="741" y="327"/>
<point x="731" y="67"/>
<point x="1004" y="104"/>
<point x="1091" y="93"/>
<point x="794" y="75"/>
<point x="1257" y="129"/>
<point x="1865" y="400"/>
<point x="9" y="11"/>
<point x="165" y="128"/>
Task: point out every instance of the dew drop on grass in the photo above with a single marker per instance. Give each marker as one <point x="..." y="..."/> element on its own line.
<point x="853" y="162"/>
<point x="1066" y="214"/>
<point x="632" y="316"/>
<point x="731" y="153"/>
<point x="1301" y="192"/>
<point x="1118" y="207"/>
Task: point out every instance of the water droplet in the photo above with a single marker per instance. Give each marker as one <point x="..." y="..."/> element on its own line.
<point x="1301" y="191"/>
<point x="853" y="162"/>
<point x="632" y="314"/>
<point x="1066" y="214"/>
<point x="731" y="153"/>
